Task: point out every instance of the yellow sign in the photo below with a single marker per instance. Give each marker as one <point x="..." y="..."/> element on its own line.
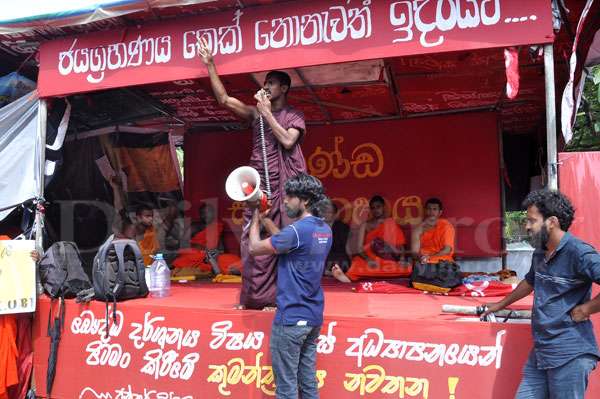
<point x="17" y="277"/>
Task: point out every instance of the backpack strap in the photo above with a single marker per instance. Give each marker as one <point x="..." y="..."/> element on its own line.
<point x="137" y="253"/>
<point x="120" y="246"/>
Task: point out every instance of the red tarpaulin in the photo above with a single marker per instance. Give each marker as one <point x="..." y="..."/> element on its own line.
<point x="287" y="35"/>
<point x="452" y="157"/>
<point x="579" y="179"/>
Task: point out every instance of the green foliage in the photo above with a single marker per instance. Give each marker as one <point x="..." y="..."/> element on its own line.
<point x="586" y="132"/>
<point x="179" y="152"/>
<point x="514" y="226"/>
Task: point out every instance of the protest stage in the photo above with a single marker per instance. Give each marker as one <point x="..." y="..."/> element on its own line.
<point x="194" y="344"/>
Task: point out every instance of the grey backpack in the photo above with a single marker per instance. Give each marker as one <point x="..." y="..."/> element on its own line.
<point x="61" y="271"/>
<point x="118" y="271"/>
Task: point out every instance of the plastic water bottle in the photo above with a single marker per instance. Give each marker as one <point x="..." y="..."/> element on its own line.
<point x="160" y="278"/>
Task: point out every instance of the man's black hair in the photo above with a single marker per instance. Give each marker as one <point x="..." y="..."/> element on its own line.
<point x="376" y="199"/>
<point x="282" y="77"/>
<point x="434" y="201"/>
<point x="552" y="203"/>
<point x="308" y="188"/>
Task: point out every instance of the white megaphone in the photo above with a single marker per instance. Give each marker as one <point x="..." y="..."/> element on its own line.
<point x="243" y="184"/>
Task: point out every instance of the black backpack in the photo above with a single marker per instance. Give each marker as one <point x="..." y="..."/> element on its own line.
<point x="62" y="276"/>
<point x="61" y="271"/>
<point x="118" y="271"/>
<point x="436" y="277"/>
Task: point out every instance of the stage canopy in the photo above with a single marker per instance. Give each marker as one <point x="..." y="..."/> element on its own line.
<point x="386" y="59"/>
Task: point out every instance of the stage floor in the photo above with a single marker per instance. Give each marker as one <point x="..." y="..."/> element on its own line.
<point x="340" y="301"/>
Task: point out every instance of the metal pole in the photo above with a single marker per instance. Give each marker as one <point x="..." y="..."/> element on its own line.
<point x="41" y="145"/>
<point x="502" y="194"/>
<point x="550" y="117"/>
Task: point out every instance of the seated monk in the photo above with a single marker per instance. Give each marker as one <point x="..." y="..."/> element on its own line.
<point x="382" y="255"/>
<point x="204" y="252"/>
<point x="433" y="239"/>
<point x="145" y="233"/>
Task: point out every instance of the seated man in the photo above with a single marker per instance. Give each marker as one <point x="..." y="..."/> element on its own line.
<point x="433" y="239"/>
<point x="338" y="253"/>
<point x="204" y="252"/>
<point x="145" y="234"/>
<point x="382" y="254"/>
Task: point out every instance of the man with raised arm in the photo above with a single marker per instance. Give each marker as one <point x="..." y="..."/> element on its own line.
<point x="284" y="130"/>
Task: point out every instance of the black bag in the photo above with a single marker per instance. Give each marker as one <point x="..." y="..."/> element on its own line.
<point x="61" y="271"/>
<point x="436" y="277"/>
<point x="62" y="276"/>
<point x="118" y="271"/>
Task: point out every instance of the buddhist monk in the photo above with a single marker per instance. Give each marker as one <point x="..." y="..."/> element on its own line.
<point x="284" y="129"/>
<point x="433" y="239"/>
<point x="382" y="255"/>
<point x="146" y="233"/>
<point x="205" y="243"/>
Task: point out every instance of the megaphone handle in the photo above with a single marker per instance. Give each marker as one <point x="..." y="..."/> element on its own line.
<point x="264" y="154"/>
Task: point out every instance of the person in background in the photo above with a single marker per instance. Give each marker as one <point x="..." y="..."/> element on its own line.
<point x="338" y="254"/>
<point x="145" y="233"/>
<point x="13" y="329"/>
<point x="204" y="253"/>
<point x="433" y="240"/>
<point x="382" y="255"/>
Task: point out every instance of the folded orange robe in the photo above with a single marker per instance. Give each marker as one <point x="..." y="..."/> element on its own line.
<point x="436" y="238"/>
<point x="206" y="239"/>
<point x="149" y="245"/>
<point x="390" y="233"/>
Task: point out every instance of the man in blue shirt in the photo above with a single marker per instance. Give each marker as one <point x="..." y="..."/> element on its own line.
<point x="563" y="269"/>
<point x="302" y="249"/>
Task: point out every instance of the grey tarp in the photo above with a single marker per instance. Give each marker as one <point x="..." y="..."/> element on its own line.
<point x="19" y="152"/>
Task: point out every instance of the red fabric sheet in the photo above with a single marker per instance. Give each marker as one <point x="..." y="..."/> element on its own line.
<point x="478" y="289"/>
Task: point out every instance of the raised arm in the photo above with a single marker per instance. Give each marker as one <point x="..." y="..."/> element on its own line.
<point x="240" y="109"/>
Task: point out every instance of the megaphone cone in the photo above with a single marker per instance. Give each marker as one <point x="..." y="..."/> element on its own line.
<point x="243" y="184"/>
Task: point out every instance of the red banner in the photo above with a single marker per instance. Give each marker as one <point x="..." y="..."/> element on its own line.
<point x="175" y="348"/>
<point x="453" y="157"/>
<point x="289" y="35"/>
<point x="580" y="180"/>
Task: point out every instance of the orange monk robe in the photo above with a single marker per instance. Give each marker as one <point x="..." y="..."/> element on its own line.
<point x="436" y="238"/>
<point x="8" y="350"/>
<point x="392" y="234"/>
<point x="207" y="239"/>
<point x="149" y="245"/>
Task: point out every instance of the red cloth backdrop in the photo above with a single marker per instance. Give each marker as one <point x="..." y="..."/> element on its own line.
<point x="451" y="157"/>
<point x="579" y="176"/>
